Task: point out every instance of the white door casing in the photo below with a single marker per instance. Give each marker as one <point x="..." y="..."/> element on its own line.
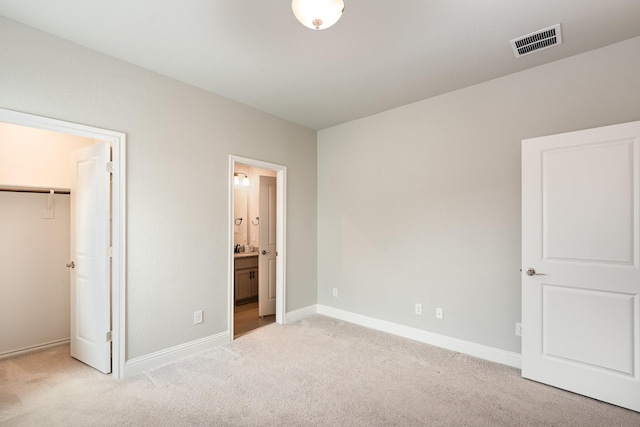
<point x="90" y="242"/>
<point x="581" y="245"/>
<point x="118" y="142"/>
<point x="268" y="247"/>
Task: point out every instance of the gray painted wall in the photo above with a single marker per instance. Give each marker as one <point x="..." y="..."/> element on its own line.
<point x="421" y="204"/>
<point x="179" y="141"/>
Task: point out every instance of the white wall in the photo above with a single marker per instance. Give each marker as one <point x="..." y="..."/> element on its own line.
<point x="36" y="158"/>
<point x="421" y="204"/>
<point x="241" y="209"/>
<point x="34" y="282"/>
<point x="179" y="139"/>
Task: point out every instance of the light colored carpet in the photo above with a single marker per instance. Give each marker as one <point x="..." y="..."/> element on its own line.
<point x="315" y="372"/>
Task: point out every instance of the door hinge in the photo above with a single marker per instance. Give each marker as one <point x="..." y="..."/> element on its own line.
<point x="110" y="167"/>
<point x="109" y="336"/>
<point x="110" y="252"/>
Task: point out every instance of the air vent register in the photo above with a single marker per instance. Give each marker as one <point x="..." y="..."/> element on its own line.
<point x="536" y="41"/>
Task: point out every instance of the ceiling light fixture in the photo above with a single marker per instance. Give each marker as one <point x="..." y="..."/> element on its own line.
<point x="317" y="14"/>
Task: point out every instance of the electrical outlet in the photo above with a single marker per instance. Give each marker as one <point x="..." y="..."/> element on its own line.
<point x="335" y="292"/>
<point x="419" y="309"/>
<point x="439" y="313"/>
<point x="197" y="317"/>
<point x="518" y="329"/>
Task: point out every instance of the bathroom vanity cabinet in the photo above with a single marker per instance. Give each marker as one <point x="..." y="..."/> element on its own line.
<point x="246" y="278"/>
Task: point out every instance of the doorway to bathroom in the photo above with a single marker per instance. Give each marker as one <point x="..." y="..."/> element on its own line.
<point x="257" y="241"/>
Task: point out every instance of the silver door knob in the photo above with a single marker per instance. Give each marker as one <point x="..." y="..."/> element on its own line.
<point x="265" y="252"/>
<point x="71" y="264"/>
<point x="532" y="272"/>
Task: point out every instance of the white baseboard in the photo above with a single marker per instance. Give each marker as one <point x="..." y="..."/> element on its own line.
<point x="163" y="357"/>
<point x="472" y="349"/>
<point x="172" y="354"/>
<point x="301" y="313"/>
<point x="33" y="348"/>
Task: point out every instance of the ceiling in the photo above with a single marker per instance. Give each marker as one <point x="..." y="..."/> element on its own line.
<point x="382" y="53"/>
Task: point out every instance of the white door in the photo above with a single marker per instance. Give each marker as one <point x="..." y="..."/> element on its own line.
<point x="267" y="260"/>
<point x="90" y="240"/>
<point x="581" y="262"/>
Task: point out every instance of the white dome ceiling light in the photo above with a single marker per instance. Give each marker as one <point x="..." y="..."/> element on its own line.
<point x="317" y="14"/>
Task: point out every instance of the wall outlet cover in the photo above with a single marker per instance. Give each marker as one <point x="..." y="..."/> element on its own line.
<point x="197" y="317"/>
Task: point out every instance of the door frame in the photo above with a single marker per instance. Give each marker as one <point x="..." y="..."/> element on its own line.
<point x="118" y="218"/>
<point x="281" y="205"/>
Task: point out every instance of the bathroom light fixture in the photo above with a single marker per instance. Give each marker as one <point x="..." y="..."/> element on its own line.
<point x="317" y="14"/>
<point x="238" y="182"/>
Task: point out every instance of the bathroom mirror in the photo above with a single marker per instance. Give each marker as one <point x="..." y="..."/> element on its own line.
<point x="246" y="206"/>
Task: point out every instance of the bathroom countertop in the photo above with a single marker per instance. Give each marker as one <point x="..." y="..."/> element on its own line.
<point x="245" y="254"/>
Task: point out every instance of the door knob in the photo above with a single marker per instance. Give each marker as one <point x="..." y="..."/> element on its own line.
<point x="71" y="264"/>
<point x="532" y="272"/>
<point x="265" y="252"/>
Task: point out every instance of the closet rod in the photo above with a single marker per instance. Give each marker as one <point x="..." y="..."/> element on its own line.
<point x="34" y="190"/>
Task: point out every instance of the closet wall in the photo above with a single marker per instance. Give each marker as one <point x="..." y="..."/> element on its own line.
<point x="34" y="282"/>
<point x="34" y="296"/>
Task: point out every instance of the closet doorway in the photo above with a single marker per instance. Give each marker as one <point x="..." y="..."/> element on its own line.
<point x="36" y="173"/>
<point x="257" y="241"/>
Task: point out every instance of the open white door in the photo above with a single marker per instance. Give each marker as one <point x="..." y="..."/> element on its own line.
<point x="267" y="260"/>
<point x="90" y="241"/>
<point x="581" y="262"/>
